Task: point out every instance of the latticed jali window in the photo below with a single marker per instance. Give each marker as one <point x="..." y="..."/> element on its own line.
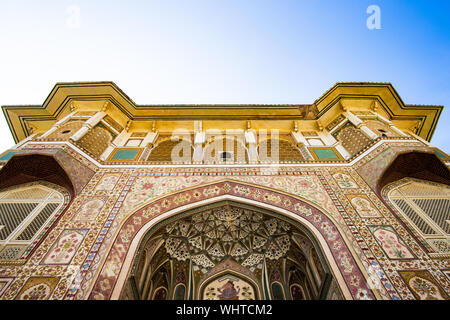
<point x="426" y="206"/>
<point x="24" y="212"/>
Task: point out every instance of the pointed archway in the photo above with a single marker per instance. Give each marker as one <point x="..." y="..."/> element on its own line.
<point x="228" y="251"/>
<point x="117" y="266"/>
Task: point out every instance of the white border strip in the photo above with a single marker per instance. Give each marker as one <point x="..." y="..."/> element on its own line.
<point x="248" y="165"/>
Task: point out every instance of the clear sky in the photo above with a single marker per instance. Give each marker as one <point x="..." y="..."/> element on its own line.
<point x="212" y="51"/>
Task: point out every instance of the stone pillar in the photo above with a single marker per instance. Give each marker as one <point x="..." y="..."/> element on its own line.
<point x="150" y="138"/>
<point x="331" y="141"/>
<point x="148" y="142"/>
<point x="57" y="125"/>
<point x="199" y="140"/>
<point x="299" y="138"/>
<point x="397" y="130"/>
<point x="302" y="144"/>
<point x="357" y="122"/>
<point x="250" y="140"/>
<point x="89" y="124"/>
<point x="118" y="141"/>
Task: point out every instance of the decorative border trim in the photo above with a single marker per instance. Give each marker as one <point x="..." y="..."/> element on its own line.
<point x="13" y="151"/>
<point x="349" y="163"/>
<point x="438" y="151"/>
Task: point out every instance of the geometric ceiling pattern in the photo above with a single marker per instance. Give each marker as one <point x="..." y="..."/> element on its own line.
<point x="206" y="238"/>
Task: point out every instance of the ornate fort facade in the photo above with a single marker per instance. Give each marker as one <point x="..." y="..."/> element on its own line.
<point x="344" y="198"/>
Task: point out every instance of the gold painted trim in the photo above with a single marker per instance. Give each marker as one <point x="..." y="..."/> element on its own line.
<point x="62" y="95"/>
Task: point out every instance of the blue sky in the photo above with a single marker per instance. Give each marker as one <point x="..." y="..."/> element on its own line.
<point x="210" y="51"/>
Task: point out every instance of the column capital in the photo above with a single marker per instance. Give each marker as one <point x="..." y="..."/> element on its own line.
<point x="368" y="132"/>
<point x="353" y="118"/>
<point x="105" y="105"/>
<point x="300" y="140"/>
<point x="199" y="138"/>
<point x="339" y="147"/>
<point x="250" y="137"/>
<point x="128" y="125"/>
<point x="319" y="125"/>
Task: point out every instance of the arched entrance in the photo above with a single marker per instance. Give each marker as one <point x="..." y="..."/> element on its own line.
<point x="229" y="251"/>
<point x="117" y="265"/>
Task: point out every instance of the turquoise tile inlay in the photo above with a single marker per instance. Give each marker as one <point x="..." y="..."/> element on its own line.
<point x="325" y="154"/>
<point x="124" y="154"/>
<point x="7" y="156"/>
<point x="439" y="154"/>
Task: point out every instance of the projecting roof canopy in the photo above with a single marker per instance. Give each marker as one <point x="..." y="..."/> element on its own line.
<point x="381" y="97"/>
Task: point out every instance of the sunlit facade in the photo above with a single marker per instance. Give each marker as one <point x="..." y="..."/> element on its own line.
<point x="344" y="198"/>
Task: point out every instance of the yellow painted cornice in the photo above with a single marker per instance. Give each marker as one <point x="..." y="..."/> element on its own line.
<point x="22" y="119"/>
<point x="389" y="104"/>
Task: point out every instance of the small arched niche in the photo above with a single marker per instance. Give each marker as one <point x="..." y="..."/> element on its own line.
<point x="229" y="251"/>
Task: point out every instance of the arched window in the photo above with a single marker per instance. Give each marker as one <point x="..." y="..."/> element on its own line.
<point x="160" y="294"/>
<point x="277" y="291"/>
<point x="316" y="266"/>
<point x="297" y="292"/>
<point x="180" y="292"/>
<point x="225" y="251"/>
<point x="426" y="206"/>
<point x="24" y="212"/>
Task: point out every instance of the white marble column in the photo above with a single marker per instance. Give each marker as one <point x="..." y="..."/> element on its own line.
<point x="302" y="143"/>
<point x="89" y="124"/>
<point x="357" y="122"/>
<point x="397" y="130"/>
<point x="342" y="151"/>
<point x="148" y="143"/>
<point x="150" y="138"/>
<point x="329" y="140"/>
<point x="250" y="140"/>
<point x="120" y="139"/>
<point x="299" y="138"/>
<point x="199" y="140"/>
